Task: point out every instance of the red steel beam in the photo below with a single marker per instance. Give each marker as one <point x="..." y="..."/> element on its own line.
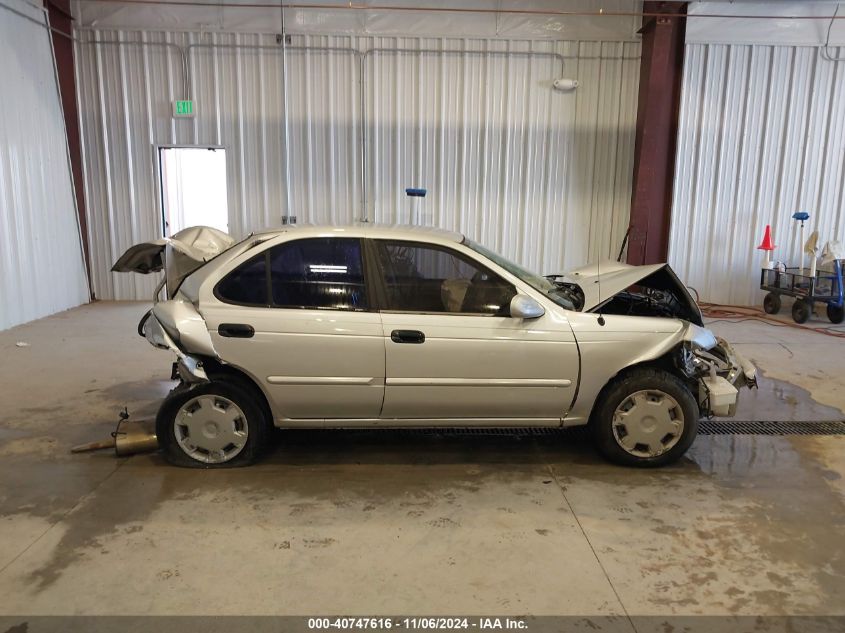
<point x="62" y="20"/>
<point x="657" y="132"/>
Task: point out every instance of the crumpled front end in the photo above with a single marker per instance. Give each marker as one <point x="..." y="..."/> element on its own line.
<point x="718" y="369"/>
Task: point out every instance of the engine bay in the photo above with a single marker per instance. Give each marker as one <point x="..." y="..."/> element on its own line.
<point x="659" y="294"/>
<point x="644" y="301"/>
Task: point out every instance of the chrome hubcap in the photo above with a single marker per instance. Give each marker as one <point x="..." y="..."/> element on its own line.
<point x="648" y="423"/>
<point x="211" y="429"/>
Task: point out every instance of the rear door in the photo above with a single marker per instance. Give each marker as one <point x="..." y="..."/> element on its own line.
<point x="299" y="318"/>
<point x="453" y="351"/>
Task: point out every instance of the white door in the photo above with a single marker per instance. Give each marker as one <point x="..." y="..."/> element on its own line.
<point x="452" y="350"/>
<point x="298" y="318"/>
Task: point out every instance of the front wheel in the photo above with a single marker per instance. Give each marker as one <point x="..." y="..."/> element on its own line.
<point x="645" y="418"/>
<point x="216" y="424"/>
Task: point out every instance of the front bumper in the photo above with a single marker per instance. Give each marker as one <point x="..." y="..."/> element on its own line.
<point x="720" y="373"/>
<point x="742" y="372"/>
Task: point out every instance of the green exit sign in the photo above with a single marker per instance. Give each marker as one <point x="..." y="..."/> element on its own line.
<point x="183" y="108"/>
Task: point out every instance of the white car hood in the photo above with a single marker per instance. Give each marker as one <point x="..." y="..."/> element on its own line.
<point x="178" y="256"/>
<point x="615" y="277"/>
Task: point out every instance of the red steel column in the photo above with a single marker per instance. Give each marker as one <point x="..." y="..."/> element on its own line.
<point x="657" y="132"/>
<point x="61" y="20"/>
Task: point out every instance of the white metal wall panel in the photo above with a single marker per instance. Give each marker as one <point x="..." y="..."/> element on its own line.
<point x="41" y="266"/>
<point x="762" y="135"/>
<point x="542" y="175"/>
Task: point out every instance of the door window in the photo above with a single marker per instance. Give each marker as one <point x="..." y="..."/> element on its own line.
<point x="425" y="278"/>
<point x="325" y="273"/>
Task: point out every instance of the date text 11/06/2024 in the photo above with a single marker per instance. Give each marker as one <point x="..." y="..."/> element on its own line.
<point x="419" y="623"/>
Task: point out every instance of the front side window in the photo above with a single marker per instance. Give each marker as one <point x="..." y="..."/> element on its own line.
<point x="558" y="293"/>
<point x="425" y="278"/>
<point x="325" y="272"/>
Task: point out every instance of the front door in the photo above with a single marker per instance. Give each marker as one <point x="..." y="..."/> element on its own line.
<point x="298" y="317"/>
<point x="453" y="351"/>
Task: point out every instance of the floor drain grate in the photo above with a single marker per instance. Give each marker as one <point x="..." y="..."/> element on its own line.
<point x="705" y="427"/>
<point x="771" y="427"/>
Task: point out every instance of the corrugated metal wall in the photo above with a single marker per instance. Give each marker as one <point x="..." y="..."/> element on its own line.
<point x="41" y="266"/>
<point x="762" y="135"/>
<point x="542" y="175"/>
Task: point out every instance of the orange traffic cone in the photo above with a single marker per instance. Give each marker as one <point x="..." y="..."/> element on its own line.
<point x="767" y="240"/>
<point x="768" y="247"/>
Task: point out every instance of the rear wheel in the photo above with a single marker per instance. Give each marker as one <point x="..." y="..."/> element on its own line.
<point x="835" y="314"/>
<point x="801" y="310"/>
<point x="771" y="303"/>
<point x="212" y="425"/>
<point x="646" y="417"/>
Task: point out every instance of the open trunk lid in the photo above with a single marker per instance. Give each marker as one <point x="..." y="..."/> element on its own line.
<point x="178" y="256"/>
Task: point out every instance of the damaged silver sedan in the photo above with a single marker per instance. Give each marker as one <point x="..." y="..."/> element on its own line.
<point x="307" y="327"/>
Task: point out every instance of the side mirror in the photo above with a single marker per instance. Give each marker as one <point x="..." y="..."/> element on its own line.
<point x="524" y="307"/>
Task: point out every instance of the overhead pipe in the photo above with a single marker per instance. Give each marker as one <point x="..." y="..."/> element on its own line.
<point x="183" y="57"/>
<point x="824" y="50"/>
<point x="72" y="38"/>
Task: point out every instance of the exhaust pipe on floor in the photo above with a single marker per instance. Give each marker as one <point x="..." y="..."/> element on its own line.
<point x="134" y="437"/>
<point x="129" y="438"/>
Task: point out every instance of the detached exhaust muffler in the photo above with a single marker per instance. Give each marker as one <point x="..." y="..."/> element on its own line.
<point x="134" y="437"/>
<point x="129" y="438"/>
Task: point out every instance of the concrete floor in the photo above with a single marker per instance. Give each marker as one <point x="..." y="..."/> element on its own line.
<point x="386" y="523"/>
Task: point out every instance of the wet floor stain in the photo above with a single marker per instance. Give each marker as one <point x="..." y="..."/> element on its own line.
<point x="744" y="524"/>
<point x="782" y="401"/>
<point x="153" y="389"/>
<point x="736" y="505"/>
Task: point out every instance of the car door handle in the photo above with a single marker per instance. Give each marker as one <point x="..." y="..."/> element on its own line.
<point x="236" y="330"/>
<point x="407" y="336"/>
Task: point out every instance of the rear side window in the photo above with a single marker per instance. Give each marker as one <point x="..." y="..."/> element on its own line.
<point x="247" y="284"/>
<point x="325" y="273"/>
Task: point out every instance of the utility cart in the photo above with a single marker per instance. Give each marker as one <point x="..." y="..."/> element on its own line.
<point x="825" y="287"/>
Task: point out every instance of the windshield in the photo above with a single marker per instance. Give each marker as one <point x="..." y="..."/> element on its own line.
<point x="553" y="291"/>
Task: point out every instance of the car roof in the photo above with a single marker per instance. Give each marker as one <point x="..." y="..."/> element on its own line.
<point x="369" y="230"/>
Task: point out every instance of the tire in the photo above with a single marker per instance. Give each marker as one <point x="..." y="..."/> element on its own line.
<point x="771" y="303"/>
<point x="835" y="314"/>
<point x="801" y="311"/>
<point x="225" y="410"/>
<point x="649" y="387"/>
